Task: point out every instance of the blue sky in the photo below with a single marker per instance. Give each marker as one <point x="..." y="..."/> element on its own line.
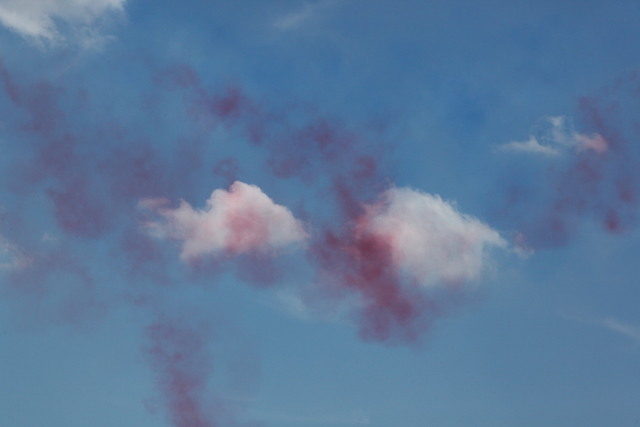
<point x="323" y="213"/>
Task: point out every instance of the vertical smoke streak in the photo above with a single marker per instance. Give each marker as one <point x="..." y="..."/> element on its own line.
<point x="179" y="356"/>
<point x="93" y="176"/>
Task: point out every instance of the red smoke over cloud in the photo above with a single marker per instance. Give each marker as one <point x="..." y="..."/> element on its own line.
<point x="398" y="258"/>
<point x="241" y="220"/>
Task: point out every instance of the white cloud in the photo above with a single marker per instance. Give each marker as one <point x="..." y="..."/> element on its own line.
<point x="38" y="19"/>
<point x="430" y="240"/>
<point x="240" y="220"/>
<point x="532" y="146"/>
<point x="559" y="138"/>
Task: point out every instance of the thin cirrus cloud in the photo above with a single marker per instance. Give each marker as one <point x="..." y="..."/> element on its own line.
<point x="430" y="241"/>
<point x="240" y="220"/>
<point x="532" y="145"/>
<point x="308" y="14"/>
<point x="611" y="323"/>
<point x="626" y="329"/>
<point x="38" y="20"/>
<point x="560" y="137"/>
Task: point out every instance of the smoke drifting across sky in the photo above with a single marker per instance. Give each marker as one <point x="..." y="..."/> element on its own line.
<point x="384" y="251"/>
<point x="181" y="181"/>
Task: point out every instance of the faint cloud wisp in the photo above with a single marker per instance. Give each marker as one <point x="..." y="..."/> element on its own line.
<point x="611" y="323"/>
<point x="309" y="13"/>
<point x="39" y="20"/>
<point x="560" y="137"/>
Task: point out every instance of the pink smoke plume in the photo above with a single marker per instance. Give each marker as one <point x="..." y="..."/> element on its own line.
<point x="377" y="248"/>
<point x="399" y="258"/>
<point x="92" y="176"/>
<point x="92" y="191"/>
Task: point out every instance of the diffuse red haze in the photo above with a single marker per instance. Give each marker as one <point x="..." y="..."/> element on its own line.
<point x="94" y="191"/>
<point x="363" y="264"/>
<point x="95" y="177"/>
<point x="599" y="185"/>
<point x="346" y="168"/>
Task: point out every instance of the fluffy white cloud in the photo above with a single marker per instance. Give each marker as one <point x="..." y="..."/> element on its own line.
<point x="560" y="137"/>
<point x="240" y="220"/>
<point x="430" y="240"/>
<point x="36" y="19"/>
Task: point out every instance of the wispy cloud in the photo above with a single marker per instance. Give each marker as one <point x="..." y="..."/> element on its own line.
<point x="293" y="304"/>
<point x="611" y="323"/>
<point x="38" y="20"/>
<point x="301" y="303"/>
<point x="300" y="18"/>
<point x="558" y="139"/>
<point x="626" y="329"/>
<point x="531" y="146"/>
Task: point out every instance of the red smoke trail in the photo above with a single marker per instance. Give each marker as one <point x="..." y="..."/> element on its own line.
<point x="299" y="143"/>
<point x="94" y="175"/>
<point x="342" y="165"/>
<point x="178" y="354"/>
